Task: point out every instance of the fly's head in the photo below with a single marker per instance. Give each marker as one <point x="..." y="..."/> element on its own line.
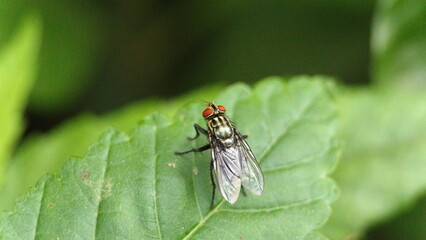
<point x="213" y="110"/>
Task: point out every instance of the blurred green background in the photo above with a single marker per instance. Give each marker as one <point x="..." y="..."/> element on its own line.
<point x="99" y="55"/>
<point x="108" y="63"/>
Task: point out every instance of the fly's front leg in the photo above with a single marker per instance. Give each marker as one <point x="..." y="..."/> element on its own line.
<point x="203" y="148"/>
<point x="198" y="130"/>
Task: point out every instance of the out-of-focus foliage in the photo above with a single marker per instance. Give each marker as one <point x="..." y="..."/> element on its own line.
<point x="261" y="38"/>
<point x="69" y="53"/>
<point x="409" y="225"/>
<point x="195" y="43"/>
<point x="72" y="39"/>
<point x="17" y="73"/>
<point x="384" y="159"/>
<point x="101" y="54"/>
<point x="399" y="43"/>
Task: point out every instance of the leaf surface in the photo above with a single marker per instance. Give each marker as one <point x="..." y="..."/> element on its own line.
<point x="132" y="186"/>
<point x="41" y="153"/>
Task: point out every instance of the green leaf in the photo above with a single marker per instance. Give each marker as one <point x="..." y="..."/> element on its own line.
<point x="384" y="160"/>
<point x="41" y="153"/>
<point x="134" y="187"/>
<point x="17" y="72"/>
<point x="399" y="43"/>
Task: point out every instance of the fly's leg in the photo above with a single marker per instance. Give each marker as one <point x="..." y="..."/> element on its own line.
<point x="214" y="185"/>
<point x="203" y="148"/>
<point x="243" y="191"/>
<point x="198" y="130"/>
<point x="244" y="136"/>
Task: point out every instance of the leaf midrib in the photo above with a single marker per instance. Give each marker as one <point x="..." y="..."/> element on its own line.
<point x="155" y="183"/>
<point x="39" y="210"/>
<point x="101" y="187"/>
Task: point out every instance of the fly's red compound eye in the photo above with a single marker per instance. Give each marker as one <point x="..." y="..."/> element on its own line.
<point x="208" y="112"/>
<point x="221" y="108"/>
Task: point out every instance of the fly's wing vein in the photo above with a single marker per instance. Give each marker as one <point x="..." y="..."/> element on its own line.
<point x="251" y="174"/>
<point x="228" y="170"/>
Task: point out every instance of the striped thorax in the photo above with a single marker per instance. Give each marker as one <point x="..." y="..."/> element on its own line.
<point x="222" y="129"/>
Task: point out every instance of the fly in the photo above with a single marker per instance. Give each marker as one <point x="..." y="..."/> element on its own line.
<point x="233" y="166"/>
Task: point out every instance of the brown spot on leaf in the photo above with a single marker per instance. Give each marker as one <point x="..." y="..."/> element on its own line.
<point x="352" y="236"/>
<point x="85" y="175"/>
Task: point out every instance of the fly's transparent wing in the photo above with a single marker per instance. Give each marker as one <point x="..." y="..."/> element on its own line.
<point x="227" y="166"/>
<point x="251" y="174"/>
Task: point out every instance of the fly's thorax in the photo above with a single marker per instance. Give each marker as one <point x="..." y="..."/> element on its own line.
<point x="222" y="129"/>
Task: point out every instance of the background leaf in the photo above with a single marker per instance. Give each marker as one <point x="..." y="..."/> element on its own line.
<point x="384" y="159"/>
<point x="382" y="169"/>
<point x="398" y="43"/>
<point x="17" y="72"/>
<point x="73" y="37"/>
<point x="122" y="187"/>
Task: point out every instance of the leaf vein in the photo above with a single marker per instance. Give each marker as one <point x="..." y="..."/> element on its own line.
<point x="155" y="184"/>
<point x="271" y="209"/>
<point x="298" y="162"/>
<point x="285" y="130"/>
<point x="102" y="182"/>
<point x="39" y="210"/>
